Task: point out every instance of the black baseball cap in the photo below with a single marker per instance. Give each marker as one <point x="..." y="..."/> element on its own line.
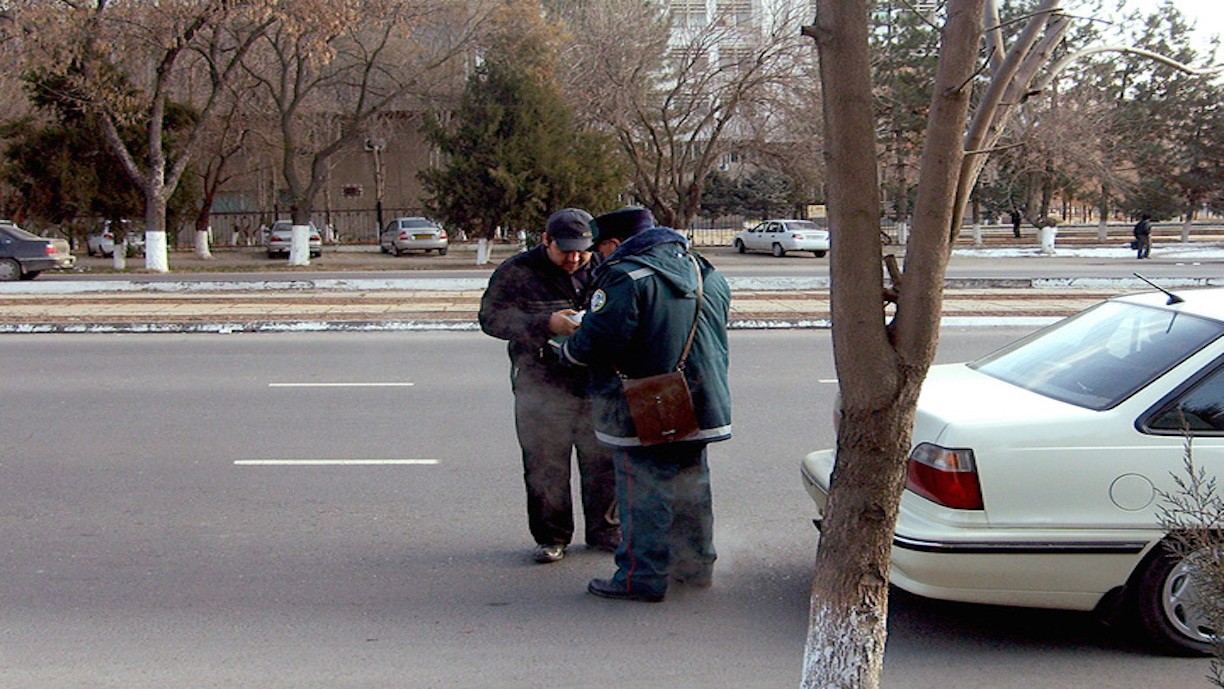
<point x="570" y="228"/>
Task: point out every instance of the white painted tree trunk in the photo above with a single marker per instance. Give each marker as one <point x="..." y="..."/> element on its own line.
<point x="201" y="244"/>
<point x="482" y="251"/>
<point x="1185" y="234"/>
<point x="1102" y="231"/>
<point x="119" y="256"/>
<point x="977" y="234"/>
<point x="299" y="247"/>
<point x="1047" y="239"/>
<point x="156" y="253"/>
<point x="902" y="233"/>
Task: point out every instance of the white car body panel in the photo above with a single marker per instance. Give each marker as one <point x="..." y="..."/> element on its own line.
<point x="1071" y="495"/>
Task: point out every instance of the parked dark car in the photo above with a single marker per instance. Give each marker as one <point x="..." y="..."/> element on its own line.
<point x="24" y="255"/>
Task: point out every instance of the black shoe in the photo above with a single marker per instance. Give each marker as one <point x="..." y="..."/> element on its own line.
<point x="604" y="588"/>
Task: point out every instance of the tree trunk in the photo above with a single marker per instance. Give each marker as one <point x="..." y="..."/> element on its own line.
<point x="156" y="251"/>
<point x="299" y="246"/>
<point x="201" y="243"/>
<point x="880" y="368"/>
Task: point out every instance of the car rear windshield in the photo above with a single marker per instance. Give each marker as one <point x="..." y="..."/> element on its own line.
<point x="1102" y="356"/>
<point x="418" y="222"/>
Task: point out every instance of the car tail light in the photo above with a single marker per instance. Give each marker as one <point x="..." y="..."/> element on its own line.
<point x="51" y="249"/>
<point x="108" y="235"/>
<point x="441" y="234"/>
<point x="947" y="477"/>
<point x="796" y="236"/>
<point x="404" y="236"/>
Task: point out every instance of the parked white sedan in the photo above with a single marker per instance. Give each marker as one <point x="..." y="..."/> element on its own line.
<point x="781" y="236"/>
<point x="1038" y="474"/>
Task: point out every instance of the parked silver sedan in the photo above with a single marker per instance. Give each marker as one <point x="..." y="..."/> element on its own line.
<point x="402" y="235"/>
<point x="781" y="236"/>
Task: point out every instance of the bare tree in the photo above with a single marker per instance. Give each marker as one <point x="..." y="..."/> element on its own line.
<point x="328" y="69"/>
<point x="884" y="337"/>
<point x="674" y="98"/>
<point x="125" y="60"/>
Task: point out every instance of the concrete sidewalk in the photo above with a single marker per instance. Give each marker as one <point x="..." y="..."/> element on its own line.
<point x="441" y="304"/>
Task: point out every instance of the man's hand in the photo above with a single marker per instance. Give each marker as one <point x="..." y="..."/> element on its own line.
<point x="563" y="322"/>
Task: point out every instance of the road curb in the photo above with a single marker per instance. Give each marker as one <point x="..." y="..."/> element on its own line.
<point x="748" y="284"/>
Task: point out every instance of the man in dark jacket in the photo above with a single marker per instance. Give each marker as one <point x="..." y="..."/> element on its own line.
<point x="531" y="298"/>
<point x="641" y="313"/>
<point x="1143" y="236"/>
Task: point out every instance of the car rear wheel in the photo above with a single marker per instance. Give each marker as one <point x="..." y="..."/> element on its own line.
<point x="1169" y="604"/>
<point x="778" y="251"/>
<point x="739" y="246"/>
<point x="442" y="251"/>
<point x="820" y="254"/>
<point x="10" y="269"/>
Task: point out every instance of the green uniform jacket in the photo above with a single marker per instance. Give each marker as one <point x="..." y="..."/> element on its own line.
<point x="639" y="318"/>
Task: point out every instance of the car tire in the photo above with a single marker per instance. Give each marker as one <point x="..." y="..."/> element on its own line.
<point x="442" y="251"/>
<point x="778" y="251"/>
<point x="1165" y="605"/>
<point x="820" y="254"/>
<point x="271" y="254"/>
<point x="739" y="246"/>
<point x="383" y="248"/>
<point x="10" y="269"/>
<point x="31" y="275"/>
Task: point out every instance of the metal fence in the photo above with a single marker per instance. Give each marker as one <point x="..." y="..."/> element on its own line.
<point x="348" y="226"/>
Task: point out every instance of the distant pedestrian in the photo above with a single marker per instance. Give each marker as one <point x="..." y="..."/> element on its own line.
<point x="1015" y="221"/>
<point x="1143" y="236"/>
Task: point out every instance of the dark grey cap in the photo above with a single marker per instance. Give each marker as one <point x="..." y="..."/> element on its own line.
<point x="570" y="228"/>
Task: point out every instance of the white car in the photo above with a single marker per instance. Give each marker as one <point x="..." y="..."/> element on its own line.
<point x="101" y="241"/>
<point x="278" y="239"/>
<point x="402" y="235"/>
<point x="1038" y="474"/>
<point x="781" y="236"/>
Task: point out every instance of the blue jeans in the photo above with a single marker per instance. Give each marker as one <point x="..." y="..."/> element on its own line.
<point x="667" y="516"/>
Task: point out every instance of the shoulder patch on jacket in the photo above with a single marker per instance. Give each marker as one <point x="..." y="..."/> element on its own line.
<point x="598" y="299"/>
<point x="639" y="273"/>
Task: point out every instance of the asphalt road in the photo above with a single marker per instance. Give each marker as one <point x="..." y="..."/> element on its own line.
<point x="152" y="539"/>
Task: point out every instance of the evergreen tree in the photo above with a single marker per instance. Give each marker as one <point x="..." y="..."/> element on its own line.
<point x="513" y="155"/>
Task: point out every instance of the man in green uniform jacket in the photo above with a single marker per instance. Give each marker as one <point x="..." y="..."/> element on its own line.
<point x="640" y="316"/>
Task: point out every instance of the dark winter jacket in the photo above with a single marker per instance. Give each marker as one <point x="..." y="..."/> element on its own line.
<point x="639" y="319"/>
<point x="1143" y="228"/>
<point x="522" y="293"/>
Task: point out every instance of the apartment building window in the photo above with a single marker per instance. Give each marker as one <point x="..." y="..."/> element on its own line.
<point x="688" y="13"/>
<point x="735" y="12"/>
<point x="687" y="60"/>
<point x="734" y="57"/>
